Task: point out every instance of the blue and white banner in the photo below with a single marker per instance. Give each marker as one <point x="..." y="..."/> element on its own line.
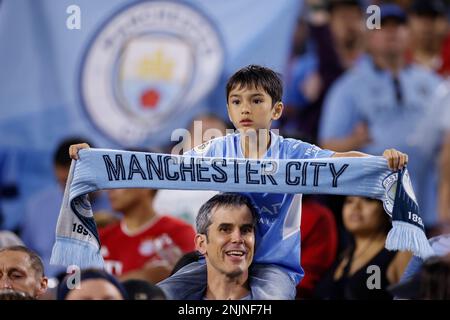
<point x="121" y="73"/>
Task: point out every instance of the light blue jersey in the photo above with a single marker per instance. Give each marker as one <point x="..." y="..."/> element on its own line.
<point x="393" y="110"/>
<point x="278" y="230"/>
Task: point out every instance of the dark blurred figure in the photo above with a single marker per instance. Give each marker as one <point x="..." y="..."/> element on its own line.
<point x="186" y="259"/>
<point x="432" y="282"/>
<point x="365" y="261"/>
<point x="336" y="30"/>
<point x="435" y="279"/>
<point x="429" y="34"/>
<point x="380" y="103"/>
<point x="143" y="290"/>
<point x="94" y="284"/>
<point x="8" y="189"/>
<point x="41" y="215"/>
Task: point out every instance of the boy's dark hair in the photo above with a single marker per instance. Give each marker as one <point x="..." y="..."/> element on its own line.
<point x="260" y="77"/>
<point x="61" y="155"/>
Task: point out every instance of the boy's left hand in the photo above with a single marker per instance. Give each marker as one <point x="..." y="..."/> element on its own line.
<point x="396" y="159"/>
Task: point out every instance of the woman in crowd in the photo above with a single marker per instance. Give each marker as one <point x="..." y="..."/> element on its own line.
<point x="366" y="268"/>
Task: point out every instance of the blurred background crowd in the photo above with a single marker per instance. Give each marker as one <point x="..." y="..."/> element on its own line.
<point x="355" y="78"/>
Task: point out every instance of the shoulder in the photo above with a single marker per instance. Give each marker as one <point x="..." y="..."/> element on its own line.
<point x="421" y="71"/>
<point x="354" y="76"/>
<point x="211" y="146"/>
<point x="298" y="149"/>
<point x="174" y="223"/>
<point x="441" y="244"/>
<point x="420" y="74"/>
<point x="292" y="143"/>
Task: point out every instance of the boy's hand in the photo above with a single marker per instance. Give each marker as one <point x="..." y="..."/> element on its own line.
<point x="73" y="149"/>
<point x="396" y="159"/>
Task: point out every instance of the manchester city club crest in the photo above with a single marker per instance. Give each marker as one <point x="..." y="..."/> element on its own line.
<point x="149" y="63"/>
<point x="390" y="188"/>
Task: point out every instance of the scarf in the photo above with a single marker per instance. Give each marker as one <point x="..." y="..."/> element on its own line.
<point x="77" y="240"/>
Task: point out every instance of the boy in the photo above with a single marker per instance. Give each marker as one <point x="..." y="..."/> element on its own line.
<point x="253" y="102"/>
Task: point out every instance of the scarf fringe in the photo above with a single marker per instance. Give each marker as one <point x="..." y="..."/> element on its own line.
<point x="69" y="252"/>
<point x="407" y="237"/>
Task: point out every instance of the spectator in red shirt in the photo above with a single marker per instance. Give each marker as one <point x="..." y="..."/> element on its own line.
<point x="319" y="241"/>
<point x="143" y="245"/>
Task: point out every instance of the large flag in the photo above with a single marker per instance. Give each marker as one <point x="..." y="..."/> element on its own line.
<point x="122" y="73"/>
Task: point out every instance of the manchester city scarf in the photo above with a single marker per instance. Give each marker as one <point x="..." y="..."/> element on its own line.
<point x="77" y="241"/>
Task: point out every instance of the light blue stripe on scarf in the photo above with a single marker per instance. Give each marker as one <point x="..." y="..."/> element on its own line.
<point x="77" y="240"/>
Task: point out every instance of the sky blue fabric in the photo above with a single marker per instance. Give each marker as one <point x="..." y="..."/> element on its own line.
<point x="41" y="61"/>
<point x="289" y="167"/>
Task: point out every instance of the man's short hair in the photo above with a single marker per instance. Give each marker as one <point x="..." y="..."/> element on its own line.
<point x="226" y="199"/>
<point x="36" y="261"/>
<point x="260" y="77"/>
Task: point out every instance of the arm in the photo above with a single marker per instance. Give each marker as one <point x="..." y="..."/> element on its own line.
<point x="357" y="139"/>
<point x="342" y="128"/>
<point x="349" y="154"/>
<point x="396" y="159"/>
<point x="330" y="66"/>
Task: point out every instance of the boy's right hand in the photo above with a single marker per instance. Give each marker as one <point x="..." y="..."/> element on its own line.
<point x="74" y="148"/>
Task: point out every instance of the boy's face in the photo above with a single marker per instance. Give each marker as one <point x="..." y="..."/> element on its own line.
<point x="251" y="108"/>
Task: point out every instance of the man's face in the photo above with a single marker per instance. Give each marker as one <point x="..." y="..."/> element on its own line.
<point x="230" y="243"/>
<point x="17" y="273"/>
<point x="391" y="39"/>
<point x="251" y="108"/>
<point x="95" y="289"/>
<point x="424" y="29"/>
<point x="124" y="200"/>
<point x="347" y="25"/>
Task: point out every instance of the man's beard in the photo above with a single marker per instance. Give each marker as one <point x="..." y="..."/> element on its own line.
<point x="234" y="274"/>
